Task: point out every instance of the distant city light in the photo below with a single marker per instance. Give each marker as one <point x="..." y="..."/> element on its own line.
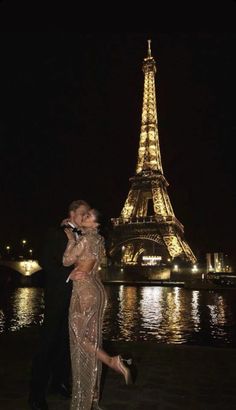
<point x="194" y="268"/>
<point x="151" y="260"/>
<point x="217" y="262"/>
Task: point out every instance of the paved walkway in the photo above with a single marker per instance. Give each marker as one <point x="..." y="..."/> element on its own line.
<point x="169" y="377"/>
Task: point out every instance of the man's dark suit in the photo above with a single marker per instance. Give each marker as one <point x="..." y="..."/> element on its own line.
<point x="52" y="360"/>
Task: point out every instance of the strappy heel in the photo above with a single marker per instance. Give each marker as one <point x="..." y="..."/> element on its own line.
<point x="124" y="369"/>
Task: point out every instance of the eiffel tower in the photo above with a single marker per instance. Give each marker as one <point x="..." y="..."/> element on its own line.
<point x="147" y="230"/>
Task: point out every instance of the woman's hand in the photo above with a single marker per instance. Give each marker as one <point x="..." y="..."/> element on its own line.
<point x="65" y="221"/>
<point x="69" y="234"/>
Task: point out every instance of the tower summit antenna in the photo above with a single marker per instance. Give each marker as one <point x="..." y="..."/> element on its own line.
<point x="149" y="48"/>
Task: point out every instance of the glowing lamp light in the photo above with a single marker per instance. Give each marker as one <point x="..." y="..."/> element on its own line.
<point x="194" y="268"/>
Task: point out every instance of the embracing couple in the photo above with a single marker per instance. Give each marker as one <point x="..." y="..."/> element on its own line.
<point x="70" y="347"/>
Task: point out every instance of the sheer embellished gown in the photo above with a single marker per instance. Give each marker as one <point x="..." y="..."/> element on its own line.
<point x="87" y="306"/>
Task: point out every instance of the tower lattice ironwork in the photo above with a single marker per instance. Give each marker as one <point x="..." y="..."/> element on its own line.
<point x="147" y="228"/>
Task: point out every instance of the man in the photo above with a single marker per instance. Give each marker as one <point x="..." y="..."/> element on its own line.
<point x="52" y="360"/>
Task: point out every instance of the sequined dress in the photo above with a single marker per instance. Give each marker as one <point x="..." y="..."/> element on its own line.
<point x="87" y="306"/>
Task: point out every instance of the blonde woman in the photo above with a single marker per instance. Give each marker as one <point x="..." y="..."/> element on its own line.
<point x="87" y="306"/>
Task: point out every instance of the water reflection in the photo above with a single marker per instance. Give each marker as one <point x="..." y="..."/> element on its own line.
<point x="170" y="315"/>
<point x="23" y="307"/>
<point x="164" y="314"/>
<point x="127" y="315"/>
<point x="2" y="321"/>
<point x="151" y="316"/>
<point x="218" y="320"/>
<point x="195" y="314"/>
<point x="175" y="317"/>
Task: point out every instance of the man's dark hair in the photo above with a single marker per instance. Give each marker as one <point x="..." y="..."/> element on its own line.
<point x="76" y="204"/>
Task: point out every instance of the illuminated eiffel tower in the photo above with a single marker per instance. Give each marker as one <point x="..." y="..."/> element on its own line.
<point x="147" y="230"/>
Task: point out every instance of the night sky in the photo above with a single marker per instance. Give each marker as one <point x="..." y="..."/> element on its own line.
<point x="70" y="121"/>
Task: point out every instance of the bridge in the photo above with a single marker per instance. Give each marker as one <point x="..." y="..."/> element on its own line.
<point x="26" y="267"/>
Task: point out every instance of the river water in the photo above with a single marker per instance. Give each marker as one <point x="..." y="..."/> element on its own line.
<point x="153" y="313"/>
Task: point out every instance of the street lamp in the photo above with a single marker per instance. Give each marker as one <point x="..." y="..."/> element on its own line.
<point x="31" y="252"/>
<point x="24" y="242"/>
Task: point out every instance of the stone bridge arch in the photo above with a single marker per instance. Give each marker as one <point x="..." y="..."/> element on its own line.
<point x="24" y="267"/>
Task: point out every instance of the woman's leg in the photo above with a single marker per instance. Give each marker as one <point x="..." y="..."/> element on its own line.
<point x="115" y="363"/>
<point x="105" y="358"/>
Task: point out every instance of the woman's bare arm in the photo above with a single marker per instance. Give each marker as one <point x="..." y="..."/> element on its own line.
<point x="73" y="251"/>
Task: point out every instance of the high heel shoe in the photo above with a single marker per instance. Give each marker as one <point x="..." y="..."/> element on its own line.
<point x="124" y="369"/>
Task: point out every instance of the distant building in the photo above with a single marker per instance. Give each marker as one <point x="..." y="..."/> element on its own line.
<point x="218" y="262"/>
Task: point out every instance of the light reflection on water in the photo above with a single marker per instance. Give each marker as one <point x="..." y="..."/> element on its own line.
<point x="170" y="315"/>
<point x="167" y="315"/>
<point x="22" y="307"/>
<point x="195" y="314"/>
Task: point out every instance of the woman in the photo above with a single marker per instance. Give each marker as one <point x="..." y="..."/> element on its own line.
<point x="87" y="306"/>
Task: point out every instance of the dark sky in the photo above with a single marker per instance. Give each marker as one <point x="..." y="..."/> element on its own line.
<point x="70" y="122"/>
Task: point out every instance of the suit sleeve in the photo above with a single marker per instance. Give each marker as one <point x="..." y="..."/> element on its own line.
<point x="52" y="251"/>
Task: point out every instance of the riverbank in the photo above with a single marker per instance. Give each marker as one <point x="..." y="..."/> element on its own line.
<point x="168" y="377"/>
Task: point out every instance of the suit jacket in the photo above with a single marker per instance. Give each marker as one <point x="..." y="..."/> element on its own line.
<point x="57" y="291"/>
